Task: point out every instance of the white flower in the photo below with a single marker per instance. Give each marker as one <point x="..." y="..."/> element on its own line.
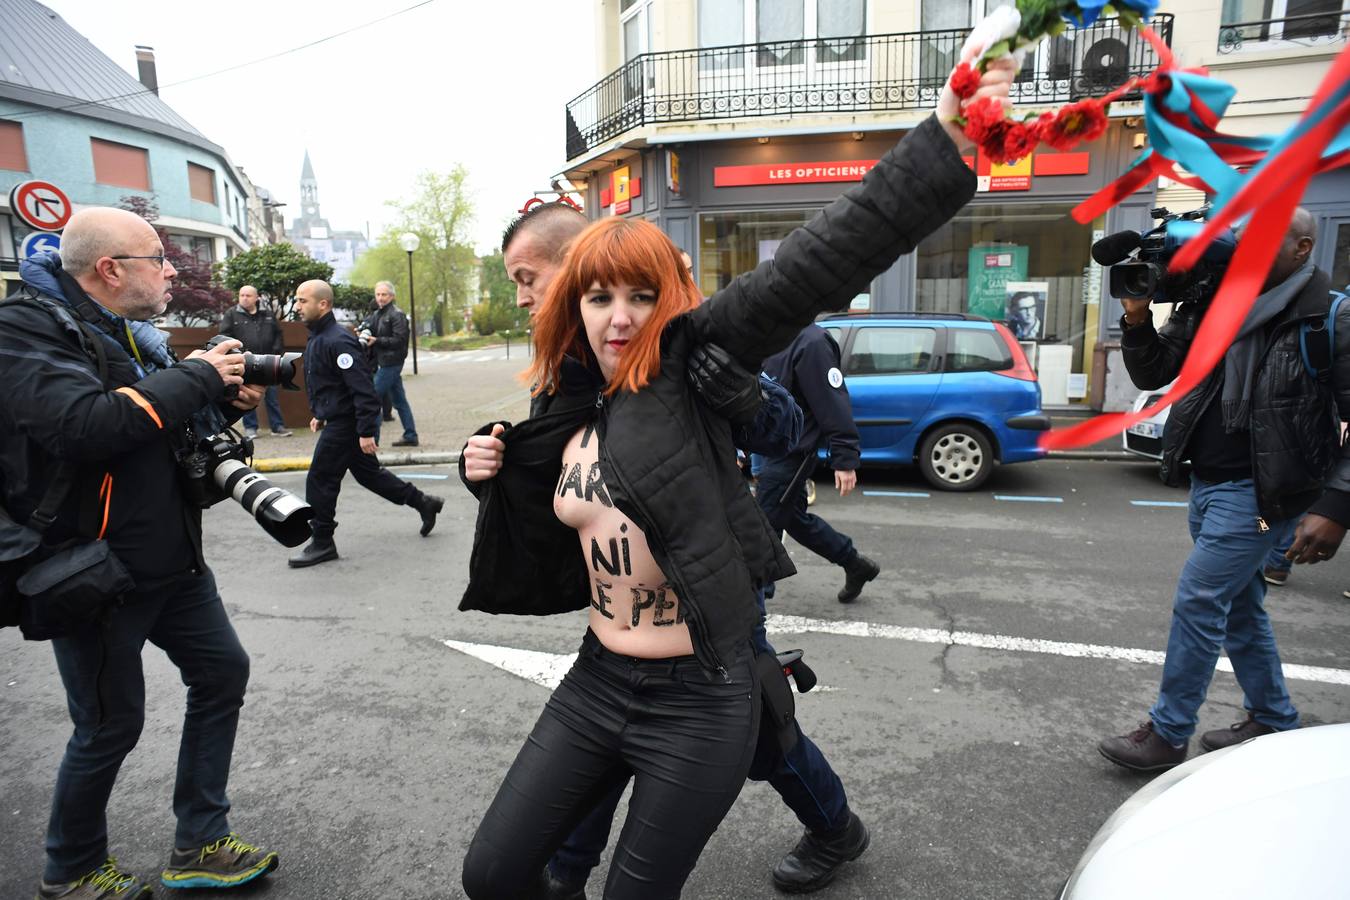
<point x="999" y="25"/>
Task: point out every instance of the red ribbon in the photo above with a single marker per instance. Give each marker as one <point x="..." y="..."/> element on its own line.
<point x="1271" y="196"/>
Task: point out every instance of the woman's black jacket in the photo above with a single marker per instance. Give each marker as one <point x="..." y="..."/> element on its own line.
<point x="668" y="463"/>
<point x="1298" y="460"/>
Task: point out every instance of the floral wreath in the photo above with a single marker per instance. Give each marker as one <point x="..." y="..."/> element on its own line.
<point x="1014" y="31"/>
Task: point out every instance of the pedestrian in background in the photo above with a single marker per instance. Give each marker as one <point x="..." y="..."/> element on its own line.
<point x="260" y="332"/>
<point x="388" y="341"/>
<point x="345" y="407"/>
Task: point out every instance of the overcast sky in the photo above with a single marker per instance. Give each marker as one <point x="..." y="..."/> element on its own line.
<point x="483" y="84"/>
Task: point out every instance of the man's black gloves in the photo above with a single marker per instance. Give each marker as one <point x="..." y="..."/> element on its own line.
<point x="725" y="385"/>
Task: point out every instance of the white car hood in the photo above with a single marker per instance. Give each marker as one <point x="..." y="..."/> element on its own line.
<point x="1266" y="820"/>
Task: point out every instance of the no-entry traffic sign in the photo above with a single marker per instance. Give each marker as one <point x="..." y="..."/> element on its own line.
<point x="40" y="204"/>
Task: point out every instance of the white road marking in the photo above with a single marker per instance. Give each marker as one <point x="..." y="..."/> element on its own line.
<point x="1177" y="504"/>
<point x="801" y="625"/>
<point x="544" y="669"/>
<point x="1019" y="498"/>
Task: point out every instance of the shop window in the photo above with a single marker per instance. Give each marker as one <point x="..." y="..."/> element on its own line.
<point x="736" y="242"/>
<point x="120" y="165"/>
<point x="892" y="351"/>
<point x="202" y="183"/>
<point x="987" y="254"/>
<point x="12" y="155"/>
<point x="976" y="350"/>
<point x="1340" y="271"/>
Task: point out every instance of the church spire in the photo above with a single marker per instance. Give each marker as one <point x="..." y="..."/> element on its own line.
<point x="309" y="190"/>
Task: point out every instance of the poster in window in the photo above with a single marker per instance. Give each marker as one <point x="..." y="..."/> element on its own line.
<point x="1026" y="309"/>
<point x="990" y="268"/>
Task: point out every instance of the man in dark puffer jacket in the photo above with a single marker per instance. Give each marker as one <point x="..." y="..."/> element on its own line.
<point x="1262" y="435"/>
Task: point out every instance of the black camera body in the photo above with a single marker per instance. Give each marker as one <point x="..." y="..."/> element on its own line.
<point x="1138" y="263"/>
<point x="216" y="467"/>
<point x="262" y="368"/>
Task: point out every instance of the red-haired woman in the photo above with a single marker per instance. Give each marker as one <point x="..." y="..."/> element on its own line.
<point x="672" y="545"/>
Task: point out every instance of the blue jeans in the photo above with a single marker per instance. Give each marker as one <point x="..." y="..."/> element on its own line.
<point x="389" y="383"/>
<point x="802" y="777"/>
<point x="1219" y="603"/>
<point x="1275" y="558"/>
<point x="274" y="419"/>
<point x="105" y="691"/>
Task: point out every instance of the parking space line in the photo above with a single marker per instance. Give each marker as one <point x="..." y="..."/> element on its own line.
<point x="423" y="476"/>
<point x="896" y="494"/>
<point x="1171" y="504"/>
<point x="802" y="625"/>
<point x="1019" y="498"/>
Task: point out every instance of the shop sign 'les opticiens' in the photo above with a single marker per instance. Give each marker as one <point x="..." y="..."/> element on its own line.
<point x="1015" y="176"/>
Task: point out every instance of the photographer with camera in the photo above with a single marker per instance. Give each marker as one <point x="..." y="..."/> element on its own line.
<point x="385" y="334"/>
<point x="1261" y="434"/>
<point x="260" y="332"/>
<point x="94" y="410"/>
<point x="345" y="407"/>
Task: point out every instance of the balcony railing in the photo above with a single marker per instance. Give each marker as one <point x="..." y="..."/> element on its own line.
<point x="871" y="73"/>
<point x="1308" y="30"/>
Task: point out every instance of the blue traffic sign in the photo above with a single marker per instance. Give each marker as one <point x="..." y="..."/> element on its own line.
<point x="39" y="242"/>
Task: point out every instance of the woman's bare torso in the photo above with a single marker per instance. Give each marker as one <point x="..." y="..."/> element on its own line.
<point x="634" y="611"/>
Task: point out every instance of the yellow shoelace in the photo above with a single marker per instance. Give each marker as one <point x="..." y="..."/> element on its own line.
<point x="108" y="878"/>
<point x="230" y="842"/>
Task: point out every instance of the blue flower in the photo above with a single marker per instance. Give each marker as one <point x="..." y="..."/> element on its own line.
<point x="1088" y="11"/>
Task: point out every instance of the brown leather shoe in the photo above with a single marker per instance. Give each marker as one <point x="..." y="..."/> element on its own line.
<point x="1275" y="576"/>
<point x="1142" y="750"/>
<point x="1236" y="733"/>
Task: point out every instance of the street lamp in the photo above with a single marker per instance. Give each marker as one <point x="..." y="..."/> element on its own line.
<point x="410" y="242"/>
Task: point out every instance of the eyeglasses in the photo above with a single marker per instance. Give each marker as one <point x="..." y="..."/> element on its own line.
<point x="159" y="260"/>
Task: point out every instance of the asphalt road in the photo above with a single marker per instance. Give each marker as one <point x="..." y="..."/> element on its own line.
<point x="964" y="734"/>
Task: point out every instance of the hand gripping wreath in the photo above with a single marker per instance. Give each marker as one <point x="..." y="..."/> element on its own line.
<point x="1014" y="31"/>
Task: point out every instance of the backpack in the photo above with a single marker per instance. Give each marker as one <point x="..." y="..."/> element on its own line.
<point x="1318" y="353"/>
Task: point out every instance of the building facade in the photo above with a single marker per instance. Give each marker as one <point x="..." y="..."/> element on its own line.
<point x="311" y="232"/>
<point x="730" y="122"/>
<point x="71" y="116"/>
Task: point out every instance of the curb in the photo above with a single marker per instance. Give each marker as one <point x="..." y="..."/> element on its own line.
<point x="301" y="463"/>
<point x="1102" y="455"/>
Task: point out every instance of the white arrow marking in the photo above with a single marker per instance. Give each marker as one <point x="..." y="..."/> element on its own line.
<point x="544" y="669"/>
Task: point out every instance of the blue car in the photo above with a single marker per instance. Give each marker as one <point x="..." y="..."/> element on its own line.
<point x="950" y="393"/>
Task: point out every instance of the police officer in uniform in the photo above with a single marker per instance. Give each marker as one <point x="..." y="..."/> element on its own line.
<point x="345" y="405"/>
<point x="809" y="368"/>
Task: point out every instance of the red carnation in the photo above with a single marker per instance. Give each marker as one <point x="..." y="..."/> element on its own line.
<point x="1081" y="121"/>
<point x="965" y="81"/>
<point x="983" y="117"/>
<point x="1019" y="141"/>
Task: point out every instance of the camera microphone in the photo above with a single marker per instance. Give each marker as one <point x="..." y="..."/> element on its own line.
<point x="1116" y="247"/>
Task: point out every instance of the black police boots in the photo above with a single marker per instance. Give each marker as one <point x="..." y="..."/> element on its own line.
<point x="428" y="506"/>
<point x="857" y="572"/>
<point x="317" y="551"/>
<point x="816" y="859"/>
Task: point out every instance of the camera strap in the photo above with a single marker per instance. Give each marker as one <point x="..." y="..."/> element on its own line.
<point x="1319" y="353"/>
<point x="67" y="472"/>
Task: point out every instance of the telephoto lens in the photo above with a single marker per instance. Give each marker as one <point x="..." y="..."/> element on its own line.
<point x="280" y="513"/>
<point x="265" y="368"/>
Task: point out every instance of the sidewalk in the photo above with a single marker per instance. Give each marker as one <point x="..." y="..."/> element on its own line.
<point x="456" y="392"/>
<point x="451" y="397"/>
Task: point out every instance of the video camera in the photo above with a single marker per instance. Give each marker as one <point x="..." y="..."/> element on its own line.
<point x="217" y="467"/>
<point x="1138" y="263"/>
<point x="263" y="368"/>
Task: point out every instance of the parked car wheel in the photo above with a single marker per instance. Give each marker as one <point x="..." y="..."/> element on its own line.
<point x="956" y="457"/>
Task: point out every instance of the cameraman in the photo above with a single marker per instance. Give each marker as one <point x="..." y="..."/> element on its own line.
<point x="1262" y="438"/>
<point x="260" y="332"/>
<point x="119" y="437"/>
